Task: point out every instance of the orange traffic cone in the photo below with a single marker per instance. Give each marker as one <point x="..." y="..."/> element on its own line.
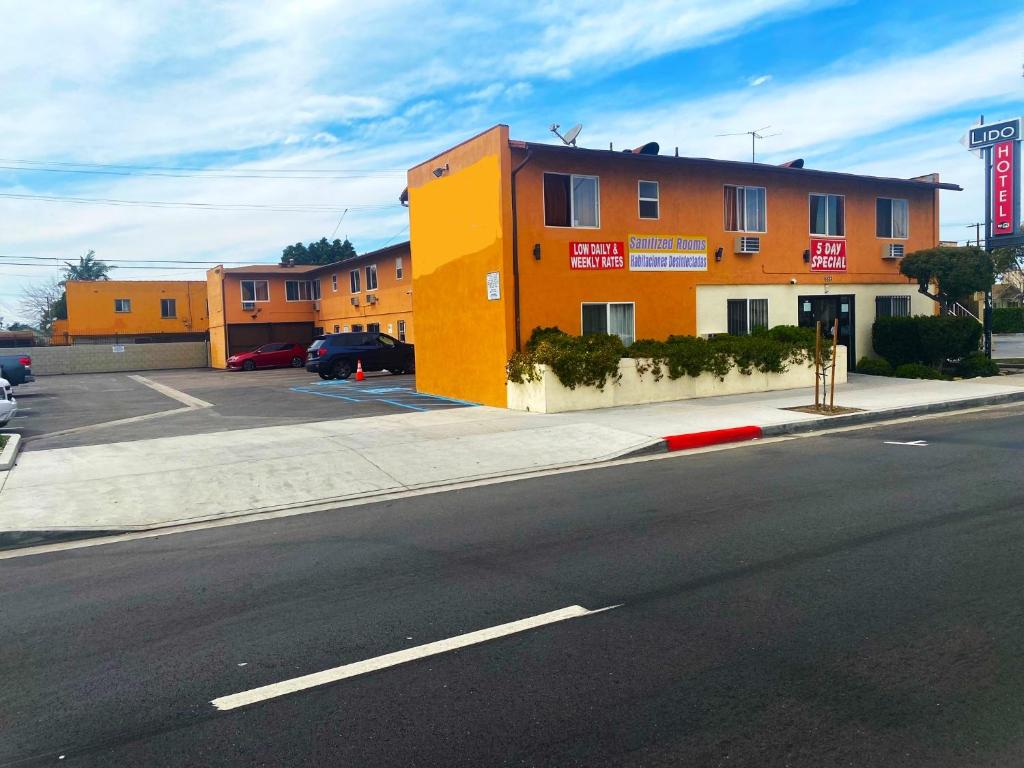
<point x="359" y="370"/>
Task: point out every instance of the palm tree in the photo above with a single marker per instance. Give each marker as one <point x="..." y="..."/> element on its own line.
<point x="87" y="268"/>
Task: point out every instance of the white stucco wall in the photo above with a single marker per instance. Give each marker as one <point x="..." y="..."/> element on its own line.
<point x="783" y="310"/>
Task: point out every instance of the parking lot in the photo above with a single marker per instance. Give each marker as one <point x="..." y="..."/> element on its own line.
<point x="64" y="411"/>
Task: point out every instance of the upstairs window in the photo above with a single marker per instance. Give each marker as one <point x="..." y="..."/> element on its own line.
<point x="168" y="309"/>
<point x="371" y="277"/>
<point x="298" y="290"/>
<point x="122" y="305"/>
<point x="571" y="201"/>
<point x="647" y="194"/>
<point x="891" y="218"/>
<point x="353" y="280"/>
<point x="334" y="282"/>
<point x="828" y="215"/>
<point x="255" y="290"/>
<point x="745" y="209"/>
<point x="398" y="267"/>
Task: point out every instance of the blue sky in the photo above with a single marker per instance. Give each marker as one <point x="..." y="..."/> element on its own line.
<point x="373" y="88"/>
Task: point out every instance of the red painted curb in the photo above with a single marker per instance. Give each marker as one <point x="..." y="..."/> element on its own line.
<point x="713" y="437"/>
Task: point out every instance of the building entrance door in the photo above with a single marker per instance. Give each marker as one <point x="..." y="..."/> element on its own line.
<point x="811" y="309"/>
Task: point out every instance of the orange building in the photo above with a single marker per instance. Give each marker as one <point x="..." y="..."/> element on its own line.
<point x="510" y="235"/>
<point x="100" y="310"/>
<point x="262" y="303"/>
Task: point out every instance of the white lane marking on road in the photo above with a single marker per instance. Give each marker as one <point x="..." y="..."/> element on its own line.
<point x="285" y="687"/>
<point x="171" y="392"/>
<point x="916" y="443"/>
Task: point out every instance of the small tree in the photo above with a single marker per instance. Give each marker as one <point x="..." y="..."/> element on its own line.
<point x="44" y="302"/>
<point x="323" y="251"/>
<point x="1009" y="266"/>
<point x="956" y="272"/>
<point x="87" y="268"/>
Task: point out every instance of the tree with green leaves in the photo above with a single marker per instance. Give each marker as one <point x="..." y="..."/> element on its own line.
<point x="956" y="272"/>
<point x="323" y="251"/>
<point x="87" y="268"/>
<point x="1009" y="265"/>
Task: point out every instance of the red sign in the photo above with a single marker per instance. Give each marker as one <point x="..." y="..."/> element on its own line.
<point x="828" y="255"/>
<point x="597" y="256"/>
<point x="1002" y="188"/>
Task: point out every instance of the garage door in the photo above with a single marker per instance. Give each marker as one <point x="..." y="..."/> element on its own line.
<point x="242" y="338"/>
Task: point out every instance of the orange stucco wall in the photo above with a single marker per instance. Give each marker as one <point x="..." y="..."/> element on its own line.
<point x="459" y="228"/>
<point x="393" y="294"/>
<point x="91" y="307"/>
<point x="218" y="333"/>
<point x="692" y="203"/>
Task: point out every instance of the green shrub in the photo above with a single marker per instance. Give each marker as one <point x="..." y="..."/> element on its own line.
<point x="927" y="339"/>
<point x="976" y="364"/>
<point x="874" y="366"/>
<point x="576" y="360"/>
<point x="916" y="371"/>
<point x="1008" y="320"/>
<point x="542" y="334"/>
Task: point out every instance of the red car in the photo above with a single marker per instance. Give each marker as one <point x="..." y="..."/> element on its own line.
<point x="276" y="355"/>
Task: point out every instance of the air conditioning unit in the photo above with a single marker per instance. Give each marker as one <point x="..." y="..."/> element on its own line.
<point x="355" y="301"/>
<point x="748" y="245"/>
<point x="248" y="306"/>
<point x="371" y="299"/>
<point x="892" y="251"/>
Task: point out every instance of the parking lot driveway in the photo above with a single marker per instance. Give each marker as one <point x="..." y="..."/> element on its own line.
<point x="243" y="400"/>
<point x="58" y="403"/>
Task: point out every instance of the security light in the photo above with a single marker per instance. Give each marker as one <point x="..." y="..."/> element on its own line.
<point x="440" y="171"/>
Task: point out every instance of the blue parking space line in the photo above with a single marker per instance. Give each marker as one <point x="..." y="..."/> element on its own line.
<point x="445" y="399"/>
<point x="325" y="394"/>
<point x="398" y="396"/>
<point x="404" y="405"/>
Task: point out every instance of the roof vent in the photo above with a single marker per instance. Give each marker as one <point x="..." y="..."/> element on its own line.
<point x="650" y="148"/>
<point x="798" y="163"/>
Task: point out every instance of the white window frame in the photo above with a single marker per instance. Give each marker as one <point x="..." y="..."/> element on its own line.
<point x="334" y="282"/>
<point x="174" y="306"/>
<point x="371" y="269"/>
<point x="826" y="195"/>
<point x="744" y="228"/>
<point x="608" y="317"/>
<point x="641" y="199"/>
<point x="572" y="200"/>
<point x="892" y="218"/>
<point x="398" y="268"/>
<point x="125" y="306"/>
<point x="255" y="293"/>
<point x="750" y="325"/>
<point x="314" y="286"/>
<point x="298" y="290"/>
<point x="401" y="330"/>
<point x="354" y="281"/>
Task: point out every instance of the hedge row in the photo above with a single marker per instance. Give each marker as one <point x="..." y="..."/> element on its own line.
<point x="593" y="360"/>
<point x="1008" y="320"/>
<point x="927" y="339"/>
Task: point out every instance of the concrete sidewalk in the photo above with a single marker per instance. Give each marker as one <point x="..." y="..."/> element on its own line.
<point x="153" y="483"/>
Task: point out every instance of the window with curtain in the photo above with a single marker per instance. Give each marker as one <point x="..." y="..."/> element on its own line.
<point x="371" y="277"/>
<point x="891" y="218"/>
<point x="353" y="280"/>
<point x="745" y="209"/>
<point x="122" y="305"/>
<point x="615" y="318"/>
<point x="168" y="309"/>
<point x="255" y="290"/>
<point x="828" y="215"/>
<point x="571" y="201"/>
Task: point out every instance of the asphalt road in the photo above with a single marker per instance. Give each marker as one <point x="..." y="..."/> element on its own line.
<point x="828" y="601"/>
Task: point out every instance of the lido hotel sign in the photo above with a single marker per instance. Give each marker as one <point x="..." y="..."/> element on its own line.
<point x="999" y="143"/>
<point x="668" y="253"/>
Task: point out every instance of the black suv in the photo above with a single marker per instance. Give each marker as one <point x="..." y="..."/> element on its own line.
<point x="335" y="355"/>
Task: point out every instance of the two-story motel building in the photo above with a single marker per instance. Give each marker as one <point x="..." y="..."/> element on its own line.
<point x="511" y="235"/>
<point x="262" y="303"/>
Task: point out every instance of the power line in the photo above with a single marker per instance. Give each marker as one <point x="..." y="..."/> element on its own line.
<point x="195" y="175"/>
<point x="293" y="208"/>
<point x="162" y="168"/>
<point x="152" y="261"/>
<point x="126" y="268"/>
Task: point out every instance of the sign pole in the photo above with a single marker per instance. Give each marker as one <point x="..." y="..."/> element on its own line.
<point x="817" y="363"/>
<point x="832" y="384"/>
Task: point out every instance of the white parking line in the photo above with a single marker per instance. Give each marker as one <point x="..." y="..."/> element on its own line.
<point x="272" y="691"/>
<point x="171" y="392"/>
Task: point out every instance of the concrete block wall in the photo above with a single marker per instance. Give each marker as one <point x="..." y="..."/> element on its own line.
<point x="101" y="358"/>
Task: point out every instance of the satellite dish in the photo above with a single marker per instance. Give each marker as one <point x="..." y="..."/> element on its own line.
<point x="570" y="137"/>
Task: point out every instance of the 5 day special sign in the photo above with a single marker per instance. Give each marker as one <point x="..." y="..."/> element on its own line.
<point x="828" y="255"/>
<point x="668" y="253"/>
<point x="597" y="255"/>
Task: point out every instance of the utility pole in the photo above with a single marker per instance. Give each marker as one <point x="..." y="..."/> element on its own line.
<point x="754" y="136"/>
<point x="977" y="232"/>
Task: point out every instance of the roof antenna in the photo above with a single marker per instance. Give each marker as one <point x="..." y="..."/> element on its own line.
<point x="754" y="136"/>
<point x="570" y="138"/>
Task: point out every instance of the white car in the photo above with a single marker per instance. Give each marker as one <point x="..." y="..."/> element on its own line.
<point x="8" y="405"/>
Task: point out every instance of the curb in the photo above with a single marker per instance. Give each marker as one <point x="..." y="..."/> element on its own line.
<point x="10" y="451"/>
<point x="692" y="440"/>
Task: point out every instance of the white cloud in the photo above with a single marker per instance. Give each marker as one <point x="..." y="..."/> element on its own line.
<point x="759" y="80"/>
